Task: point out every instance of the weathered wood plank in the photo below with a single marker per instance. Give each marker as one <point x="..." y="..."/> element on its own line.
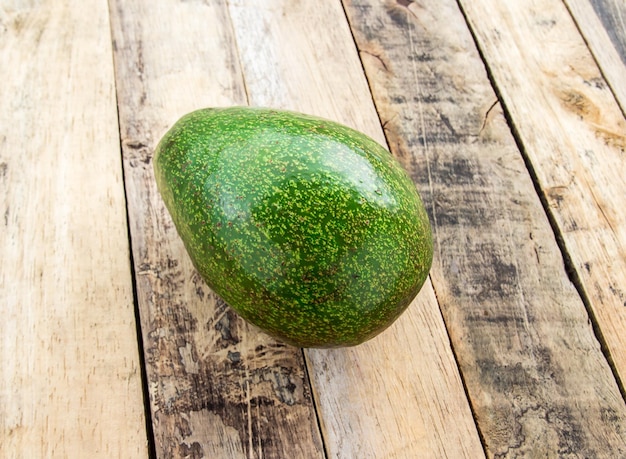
<point x="603" y="24"/>
<point x="574" y="135"/>
<point x="218" y="388"/>
<point x="536" y="376"/>
<point x="612" y="13"/>
<point x="70" y="384"/>
<point x="400" y="394"/>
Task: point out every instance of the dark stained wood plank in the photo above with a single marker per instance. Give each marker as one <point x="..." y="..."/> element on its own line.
<point x="603" y="24"/>
<point x="574" y="138"/>
<point x="218" y="387"/>
<point x="398" y="395"/>
<point x="70" y="376"/>
<point x="538" y="381"/>
<point x="612" y="14"/>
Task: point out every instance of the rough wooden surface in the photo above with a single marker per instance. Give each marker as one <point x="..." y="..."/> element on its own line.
<point x="603" y="25"/>
<point x="512" y="314"/>
<point x="516" y="349"/>
<point x="218" y="388"/>
<point x="575" y="148"/>
<point x="70" y="383"/>
<point x="399" y="395"/>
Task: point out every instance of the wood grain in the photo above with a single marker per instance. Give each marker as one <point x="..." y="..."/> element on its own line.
<point x="70" y="383"/>
<point x="574" y="135"/>
<point x="538" y="381"/>
<point x="399" y="395"/>
<point x="603" y="25"/>
<point x="218" y="387"/>
<point x="612" y="13"/>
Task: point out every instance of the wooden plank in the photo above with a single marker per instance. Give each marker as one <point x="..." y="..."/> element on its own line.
<point x="399" y="395"/>
<point x="218" y="388"/>
<point x="612" y="13"/>
<point x="574" y="136"/>
<point x="603" y="24"/>
<point x="70" y="384"/>
<point x="536" y="376"/>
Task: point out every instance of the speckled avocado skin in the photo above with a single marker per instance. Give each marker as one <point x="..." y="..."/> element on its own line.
<point x="308" y="229"/>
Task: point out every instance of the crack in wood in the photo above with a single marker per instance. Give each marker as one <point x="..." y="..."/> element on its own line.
<point x="377" y="57"/>
<point x="486" y="117"/>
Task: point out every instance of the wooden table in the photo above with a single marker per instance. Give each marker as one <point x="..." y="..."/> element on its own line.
<point x="508" y="115"/>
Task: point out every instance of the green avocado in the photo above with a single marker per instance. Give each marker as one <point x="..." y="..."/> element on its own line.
<point x="308" y="229"/>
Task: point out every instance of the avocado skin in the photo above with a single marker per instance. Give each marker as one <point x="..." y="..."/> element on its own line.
<point x="307" y="228"/>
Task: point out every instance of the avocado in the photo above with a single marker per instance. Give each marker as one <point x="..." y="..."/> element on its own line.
<point x="309" y="229"/>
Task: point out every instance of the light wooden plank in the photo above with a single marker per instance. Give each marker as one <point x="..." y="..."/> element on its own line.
<point x="603" y="24"/>
<point x="218" y="387"/>
<point x="538" y="381"/>
<point x="70" y="384"/>
<point x="399" y="395"/>
<point x="574" y="135"/>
